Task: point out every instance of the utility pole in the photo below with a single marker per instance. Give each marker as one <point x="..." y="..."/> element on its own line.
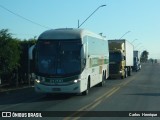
<point x="124" y="34"/>
<point x="89" y="16"/>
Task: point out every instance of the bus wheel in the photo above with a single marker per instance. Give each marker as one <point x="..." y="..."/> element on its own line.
<point x="101" y="84"/>
<point x="86" y="91"/>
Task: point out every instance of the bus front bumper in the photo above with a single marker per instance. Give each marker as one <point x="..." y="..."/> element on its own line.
<point x="72" y="88"/>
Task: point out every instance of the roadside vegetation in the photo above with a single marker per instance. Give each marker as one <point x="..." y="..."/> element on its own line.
<point x="14" y="67"/>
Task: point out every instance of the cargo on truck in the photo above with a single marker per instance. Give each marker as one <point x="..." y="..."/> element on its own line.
<point x="120" y="58"/>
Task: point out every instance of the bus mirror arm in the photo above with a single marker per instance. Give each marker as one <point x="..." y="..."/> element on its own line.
<point x="84" y="61"/>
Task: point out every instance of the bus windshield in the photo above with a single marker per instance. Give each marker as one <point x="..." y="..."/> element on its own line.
<point x="58" y="58"/>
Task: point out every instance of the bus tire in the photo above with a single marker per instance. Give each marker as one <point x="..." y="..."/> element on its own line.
<point x="101" y="84"/>
<point x="87" y="90"/>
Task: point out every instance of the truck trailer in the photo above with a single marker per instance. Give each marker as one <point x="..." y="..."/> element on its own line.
<point x="120" y="58"/>
<point x="137" y="64"/>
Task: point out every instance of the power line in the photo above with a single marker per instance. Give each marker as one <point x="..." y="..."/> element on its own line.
<point x="23" y="17"/>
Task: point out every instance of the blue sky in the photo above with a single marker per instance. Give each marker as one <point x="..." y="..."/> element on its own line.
<point x="141" y="17"/>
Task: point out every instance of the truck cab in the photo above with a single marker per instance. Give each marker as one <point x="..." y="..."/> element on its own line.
<point x="117" y="64"/>
<point x="120" y="58"/>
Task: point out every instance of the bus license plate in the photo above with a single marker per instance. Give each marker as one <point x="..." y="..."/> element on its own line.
<point x="56" y="89"/>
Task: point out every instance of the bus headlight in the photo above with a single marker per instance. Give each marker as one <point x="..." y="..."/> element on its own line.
<point x="37" y="81"/>
<point x="76" y="81"/>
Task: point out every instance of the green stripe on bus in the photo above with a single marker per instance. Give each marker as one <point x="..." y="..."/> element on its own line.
<point x="67" y="79"/>
<point x="98" y="61"/>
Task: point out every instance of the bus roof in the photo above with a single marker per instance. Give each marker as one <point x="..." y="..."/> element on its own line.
<point x="67" y="33"/>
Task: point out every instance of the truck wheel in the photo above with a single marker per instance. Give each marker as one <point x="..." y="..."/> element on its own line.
<point x="123" y="76"/>
<point x="130" y="72"/>
<point x="126" y="73"/>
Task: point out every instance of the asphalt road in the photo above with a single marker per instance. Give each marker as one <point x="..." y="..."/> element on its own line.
<point x="127" y="98"/>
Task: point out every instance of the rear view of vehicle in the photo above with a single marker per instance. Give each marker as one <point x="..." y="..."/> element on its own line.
<point x="137" y="64"/>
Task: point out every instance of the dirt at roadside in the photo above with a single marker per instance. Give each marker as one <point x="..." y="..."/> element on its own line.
<point x="5" y="88"/>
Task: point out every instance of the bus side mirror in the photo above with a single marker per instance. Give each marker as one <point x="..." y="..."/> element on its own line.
<point x="83" y="52"/>
<point x="83" y="63"/>
<point x="83" y="55"/>
<point x="30" y="52"/>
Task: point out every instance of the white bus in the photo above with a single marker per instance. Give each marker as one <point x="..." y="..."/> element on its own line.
<point x="70" y="61"/>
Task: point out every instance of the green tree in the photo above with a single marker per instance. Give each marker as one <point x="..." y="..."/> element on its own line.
<point x="9" y="55"/>
<point x="144" y="56"/>
<point x="26" y="66"/>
